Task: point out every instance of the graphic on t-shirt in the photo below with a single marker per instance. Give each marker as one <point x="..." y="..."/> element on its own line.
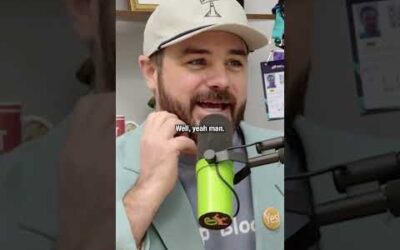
<point x="242" y="227"/>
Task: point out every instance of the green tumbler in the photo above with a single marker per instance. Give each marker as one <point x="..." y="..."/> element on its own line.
<point x="214" y="197"/>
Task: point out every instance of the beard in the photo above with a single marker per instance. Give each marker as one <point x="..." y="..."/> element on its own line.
<point x="185" y="112"/>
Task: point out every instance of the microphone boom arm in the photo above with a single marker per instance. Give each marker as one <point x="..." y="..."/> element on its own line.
<point x="213" y="157"/>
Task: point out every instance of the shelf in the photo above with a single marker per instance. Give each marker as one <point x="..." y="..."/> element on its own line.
<point x="261" y="16"/>
<point x="126" y="15"/>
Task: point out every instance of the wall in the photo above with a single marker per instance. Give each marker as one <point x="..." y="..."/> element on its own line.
<point x="337" y="132"/>
<point x="40" y="54"/>
<point x="338" y="85"/>
<point x="132" y="94"/>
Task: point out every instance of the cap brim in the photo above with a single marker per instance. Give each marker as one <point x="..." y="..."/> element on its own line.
<point x="252" y="37"/>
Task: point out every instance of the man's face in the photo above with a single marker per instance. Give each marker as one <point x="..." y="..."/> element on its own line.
<point x="271" y="78"/>
<point x="370" y="20"/>
<point x="203" y="75"/>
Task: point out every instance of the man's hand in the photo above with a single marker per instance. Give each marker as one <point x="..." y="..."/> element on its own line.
<point x="159" y="151"/>
<point x="159" y="154"/>
<point x="86" y="199"/>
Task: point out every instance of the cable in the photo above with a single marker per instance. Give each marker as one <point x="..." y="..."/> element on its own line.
<point x="312" y="173"/>
<point x="233" y="190"/>
<point x="294" y="177"/>
<point x="301" y="212"/>
<point x="243" y="146"/>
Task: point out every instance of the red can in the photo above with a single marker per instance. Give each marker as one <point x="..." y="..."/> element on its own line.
<point x="10" y="126"/>
<point x="120" y="125"/>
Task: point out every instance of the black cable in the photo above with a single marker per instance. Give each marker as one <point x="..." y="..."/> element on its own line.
<point x="301" y="212"/>
<point x="231" y="188"/>
<point x="312" y="173"/>
<point x="243" y="146"/>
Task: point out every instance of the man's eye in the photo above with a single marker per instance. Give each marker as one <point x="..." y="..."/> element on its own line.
<point x="197" y="62"/>
<point x="235" y="63"/>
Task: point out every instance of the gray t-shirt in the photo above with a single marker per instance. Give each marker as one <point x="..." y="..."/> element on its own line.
<point x="240" y="234"/>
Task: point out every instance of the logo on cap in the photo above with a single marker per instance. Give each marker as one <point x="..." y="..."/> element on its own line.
<point x="212" y="12"/>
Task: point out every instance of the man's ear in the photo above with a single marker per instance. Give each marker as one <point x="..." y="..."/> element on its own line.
<point x="149" y="72"/>
<point x="82" y="17"/>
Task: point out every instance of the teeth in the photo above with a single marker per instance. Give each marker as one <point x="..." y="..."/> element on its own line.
<point x="213" y="103"/>
<point x="210" y="105"/>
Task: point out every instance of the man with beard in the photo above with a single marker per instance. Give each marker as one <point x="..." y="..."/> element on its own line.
<point x="53" y="188"/>
<point x="195" y="63"/>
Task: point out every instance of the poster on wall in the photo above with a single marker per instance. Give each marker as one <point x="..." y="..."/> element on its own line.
<point x="375" y="36"/>
<point x="273" y="85"/>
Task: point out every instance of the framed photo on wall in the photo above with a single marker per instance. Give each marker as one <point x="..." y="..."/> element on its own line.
<point x="142" y="5"/>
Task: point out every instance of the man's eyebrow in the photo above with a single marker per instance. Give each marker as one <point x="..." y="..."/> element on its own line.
<point x="191" y="50"/>
<point x="239" y="52"/>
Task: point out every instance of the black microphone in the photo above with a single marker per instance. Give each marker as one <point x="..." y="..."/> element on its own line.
<point x="360" y="205"/>
<point x="214" y="180"/>
<point x="209" y="139"/>
<point x="274" y="143"/>
<point x="381" y="168"/>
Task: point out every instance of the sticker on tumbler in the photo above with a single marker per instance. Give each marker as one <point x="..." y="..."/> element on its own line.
<point x="215" y="220"/>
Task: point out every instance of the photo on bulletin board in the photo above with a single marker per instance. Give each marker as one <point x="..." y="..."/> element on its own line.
<point x="274" y="88"/>
<point x="375" y="32"/>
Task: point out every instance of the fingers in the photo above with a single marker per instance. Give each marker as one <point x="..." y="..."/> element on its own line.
<point x="162" y="124"/>
<point x="169" y="127"/>
<point x="157" y="119"/>
<point x="161" y="127"/>
<point x="184" y="145"/>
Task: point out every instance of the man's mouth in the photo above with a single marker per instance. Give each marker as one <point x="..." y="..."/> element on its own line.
<point x="214" y="105"/>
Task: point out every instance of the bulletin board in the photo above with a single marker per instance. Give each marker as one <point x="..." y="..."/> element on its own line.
<point x="375" y="32"/>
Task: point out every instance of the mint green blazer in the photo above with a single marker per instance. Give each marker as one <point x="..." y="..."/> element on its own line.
<point x="174" y="226"/>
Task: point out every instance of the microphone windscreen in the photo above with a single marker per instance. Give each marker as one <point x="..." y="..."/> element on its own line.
<point x="218" y="136"/>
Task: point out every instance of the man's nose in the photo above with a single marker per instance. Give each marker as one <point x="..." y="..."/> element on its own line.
<point x="219" y="78"/>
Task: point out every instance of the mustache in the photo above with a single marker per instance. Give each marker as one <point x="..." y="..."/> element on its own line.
<point x="213" y="95"/>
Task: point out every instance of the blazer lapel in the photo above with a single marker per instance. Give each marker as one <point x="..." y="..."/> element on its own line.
<point x="39" y="182"/>
<point x="176" y="223"/>
<point x="267" y="183"/>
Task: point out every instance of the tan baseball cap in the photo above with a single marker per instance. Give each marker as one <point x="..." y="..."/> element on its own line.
<point x="176" y="20"/>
